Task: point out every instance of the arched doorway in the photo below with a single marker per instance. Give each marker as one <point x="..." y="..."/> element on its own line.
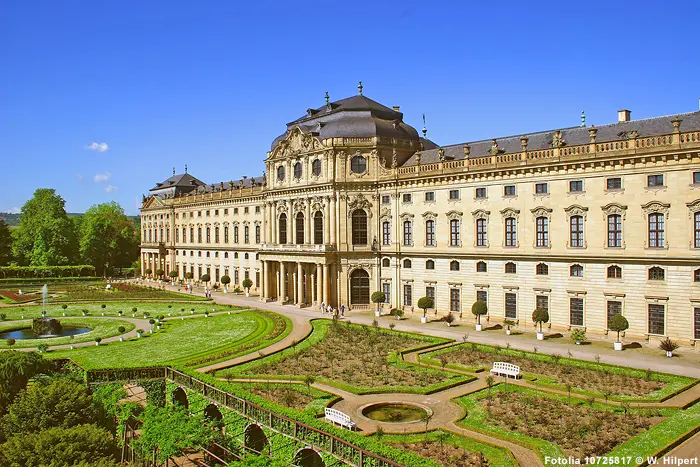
<point x="359" y="287"/>
<point x="307" y="457"/>
<point x="254" y="438"/>
<point x="179" y="397"/>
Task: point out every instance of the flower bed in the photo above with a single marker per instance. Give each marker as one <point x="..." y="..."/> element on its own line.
<point x="119" y="291"/>
<point x="17" y="298"/>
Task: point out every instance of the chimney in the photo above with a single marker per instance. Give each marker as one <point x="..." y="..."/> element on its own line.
<point x="396" y="108"/>
<point x="623" y="115"/>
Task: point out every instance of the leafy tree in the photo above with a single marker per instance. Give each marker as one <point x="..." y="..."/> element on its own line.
<point x="16" y="368"/>
<point x="61" y="403"/>
<point x="539" y="316"/>
<point x="378" y="297"/>
<point x="479" y="308"/>
<point x="5" y="244"/>
<point x="424" y="303"/>
<point x="618" y="324"/>
<point x="226" y="280"/>
<point x="59" y="447"/>
<point x="205" y="278"/>
<point x="45" y="236"/>
<point x="247" y="284"/>
<point x="108" y="238"/>
<point x="159" y="273"/>
<point x="173" y="274"/>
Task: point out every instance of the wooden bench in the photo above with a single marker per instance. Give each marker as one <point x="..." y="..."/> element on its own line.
<point x="339" y="418"/>
<point x="505" y="369"/>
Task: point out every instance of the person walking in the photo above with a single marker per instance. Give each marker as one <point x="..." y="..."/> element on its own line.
<point x="323" y="308"/>
<point x="342" y="311"/>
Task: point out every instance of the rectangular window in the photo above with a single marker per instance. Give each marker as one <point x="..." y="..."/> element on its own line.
<point x="257" y="234"/>
<point x="697" y="230"/>
<point x="542" y="225"/>
<point x="430" y="233"/>
<point x="656" y="319"/>
<point x="576" y="186"/>
<point x="480" y="193"/>
<point x="257" y="209"/>
<point x="614" y="308"/>
<point x="429" y="196"/>
<point x="454" y="232"/>
<point x="656" y="230"/>
<point x="430" y="293"/>
<point x="481" y="232"/>
<point x="696" y="178"/>
<point x="482" y="296"/>
<point x="509" y="190"/>
<point x="386" y="233"/>
<point x="407" y="295"/>
<point x="226" y="212"/>
<point x="696" y="312"/>
<point x="216" y="213"/>
<point x="576" y="311"/>
<point x="510" y="231"/>
<point x="511" y="306"/>
<point x="406" y="198"/>
<point x="655" y="180"/>
<point x="235" y="276"/>
<point x="386" y="288"/>
<point x="207" y="214"/>
<point x="407" y="234"/>
<point x="386" y="199"/>
<point x="454" y="194"/>
<point x="541" y="188"/>
<point x="235" y="210"/>
<point x="614" y="231"/>
<point x="576" y="231"/>
<point x="614" y="183"/>
<point x="454" y="301"/>
<point x="542" y="302"/>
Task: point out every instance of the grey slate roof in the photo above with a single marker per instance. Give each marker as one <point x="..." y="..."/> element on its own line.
<point x="244" y="182"/>
<point x="180" y="181"/>
<point x="573" y="136"/>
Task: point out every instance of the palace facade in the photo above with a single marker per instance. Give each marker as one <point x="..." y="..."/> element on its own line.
<point x="586" y="222"/>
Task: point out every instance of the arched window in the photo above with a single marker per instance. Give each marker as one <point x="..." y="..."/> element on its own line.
<point x="430" y="264"/>
<point x="407" y="264"/>
<point x="299" y="228"/>
<point x="316" y="167"/>
<point x="281" y="227"/>
<point x="454" y="232"/>
<point x="359" y="227"/>
<point x="576" y="231"/>
<point x="407" y="234"/>
<point x="235" y="256"/>
<point x="199" y="235"/>
<point x="359" y="287"/>
<point x="614" y="272"/>
<point x="246" y="234"/>
<point x="481" y="266"/>
<point x="576" y="270"/>
<point x="318" y="228"/>
<point x="656" y="274"/>
<point x="542" y="225"/>
<point x="280" y="173"/>
<point x="246" y="256"/>
<point x="541" y="269"/>
<point x="358" y="164"/>
<point x="386" y="233"/>
<point x="386" y="262"/>
<point x="454" y="265"/>
<point x="511" y="238"/>
<point x="429" y="232"/>
<point x="297" y="170"/>
<point x="510" y="268"/>
<point x="225" y="254"/>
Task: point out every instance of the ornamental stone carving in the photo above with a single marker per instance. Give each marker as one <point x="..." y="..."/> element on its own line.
<point x="510" y="212"/>
<point x="359" y="202"/>
<point x="655" y="207"/>
<point x="576" y="210"/>
<point x="541" y="211"/>
<point x="294" y="144"/>
<point x="693" y="207"/>
<point x="429" y="216"/>
<point x="614" y="208"/>
<point x="452" y="215"/>
<point x="481" y="214"/>
<point x="385" y="214"/>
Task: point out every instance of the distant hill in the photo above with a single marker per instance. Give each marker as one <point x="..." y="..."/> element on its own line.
<point x="12" y="220"/>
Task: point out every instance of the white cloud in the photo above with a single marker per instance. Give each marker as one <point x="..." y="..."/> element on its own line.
<point x="14" y="211"/>
<point x="99" y="147"/>
<point x="100" y="178"/>
<point x="110" y="188"/>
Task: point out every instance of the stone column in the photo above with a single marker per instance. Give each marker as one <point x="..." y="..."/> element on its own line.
<point x="283" y="288"/>
<point x="326" y="285"/>
<point x="319" y="285"/>
<point x="263" y="273"/>
<point x="300" y="285"/>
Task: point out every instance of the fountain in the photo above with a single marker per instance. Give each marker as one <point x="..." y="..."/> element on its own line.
<point x="395" y="412"/>
<point x="45" y="326"/>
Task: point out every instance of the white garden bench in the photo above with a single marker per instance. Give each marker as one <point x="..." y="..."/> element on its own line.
<point x="505" y="369"/>
<point x="339" y="418"/>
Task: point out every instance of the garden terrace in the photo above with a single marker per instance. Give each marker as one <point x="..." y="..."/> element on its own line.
<point x="192" y="341"/>
<point x="99" y="329"/>
<point x="294" y="396"/>
<point x="620" y="383"/>
<point x="559" y="425"/>
<point x="359" y="359"/>
<point x="119" y="291"/>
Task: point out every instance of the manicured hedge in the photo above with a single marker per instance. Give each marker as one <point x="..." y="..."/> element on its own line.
<point x="37" y="281"/>
<point x="47" y="271"/>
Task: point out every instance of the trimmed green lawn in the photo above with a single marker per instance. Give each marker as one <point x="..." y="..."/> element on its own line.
<point x="154" y="309"/>
<point x="193" y="341"/>
<point x="100" y="327"/>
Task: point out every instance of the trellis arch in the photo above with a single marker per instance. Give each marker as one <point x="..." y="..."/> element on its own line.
<point x="254" y="438"/>
<point x="179" y="397"/>
<point x="307" y="457"/>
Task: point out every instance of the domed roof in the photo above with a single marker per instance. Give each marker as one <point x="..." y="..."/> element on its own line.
<point x="356" y="116"/>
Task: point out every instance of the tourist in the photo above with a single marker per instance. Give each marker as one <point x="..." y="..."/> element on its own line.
<point x="323" y="308"/>
<point x="342" y="311"/>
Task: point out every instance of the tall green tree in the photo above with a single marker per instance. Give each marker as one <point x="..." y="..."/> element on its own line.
<point x="45" y="236"/>
<point x="108" y="238"/>
<point x="16" y="369"/>
<point x="5" y="244"/>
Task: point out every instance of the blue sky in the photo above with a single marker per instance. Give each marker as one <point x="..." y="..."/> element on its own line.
<point x="211" y="84"/>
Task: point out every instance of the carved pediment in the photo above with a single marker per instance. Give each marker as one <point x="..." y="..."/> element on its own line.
<point x="296" y="143"/>
<point x="481" y="214"/>
<point x="614" y="208"/>
<point x="576" y="210"/>
<point x="385" y="214"/>
<point x="655" y="206"/>
<point x="510" y="212"/>
<point x="694" y="206"/>
<point x="359" y="202"/>
<point x="541" y="211"/>
<point x="452" y="215"/>
<point x="429" y="215"/>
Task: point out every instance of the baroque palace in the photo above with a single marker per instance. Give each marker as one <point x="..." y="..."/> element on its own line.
<point x="586" y="222"/>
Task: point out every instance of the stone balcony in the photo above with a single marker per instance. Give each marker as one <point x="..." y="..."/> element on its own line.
<point x="304" y="247"/>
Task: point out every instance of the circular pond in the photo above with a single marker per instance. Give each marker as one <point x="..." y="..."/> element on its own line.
<point x="27" y="333"/>
<point x="394" y="412"/>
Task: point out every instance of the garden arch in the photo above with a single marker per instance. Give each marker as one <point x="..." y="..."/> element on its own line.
<point x="307" y="457"/>
<point x="254" y="438"/>
<point x="179" y="397"/>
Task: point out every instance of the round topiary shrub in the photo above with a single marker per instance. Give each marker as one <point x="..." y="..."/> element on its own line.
<point x="134" y="309"/>
<point x="64" y="306"/>
<point x="539" y="316"/>
<point x="424" y="303"/>
<point x="103" y="306"/>
<point x="479" y="308"/>
<point x="121" y="329"/>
